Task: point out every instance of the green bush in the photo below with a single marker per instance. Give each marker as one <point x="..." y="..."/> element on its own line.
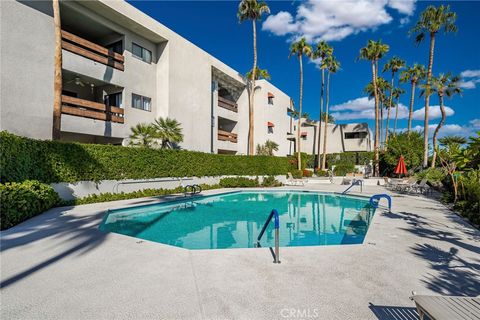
<point x="53" y="161"/>
<point x="307" y="173"/>
<point x="360" y="158"/>
<point x="21" y="201"/>
<point x="293" y="160"/>
<point x="239" y="182"/>
<point x="270" y="181"/>
<point x="322" y="173"/>
<point x="433" y="175"/>
<point x="108" y="196"/>
<point x="343" y="168"/>
<point x="297" y="174"/>
<point x="410" y="145"/>
<point x="469" y="195"/>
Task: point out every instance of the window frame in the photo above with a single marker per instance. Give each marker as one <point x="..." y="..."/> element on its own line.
<point x="143" y="50"/>
<point x="143" y="99"/>
<point x="361" y="135"/>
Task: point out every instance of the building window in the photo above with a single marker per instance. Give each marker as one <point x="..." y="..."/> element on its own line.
<point x="270" y="98"/>
<point x="270" y="130"/>
<point x="355" y="135"/>
<point x="114" y="100"/>
<point x="141" y="53"/>
<point x="69" y="93"/>
<point x="141" y="102"/>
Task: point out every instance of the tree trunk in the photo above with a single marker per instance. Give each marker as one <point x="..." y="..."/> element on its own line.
<point x="427" y="100"/>
<point x="57" y="79"/>
<point x="324" y="158"/>
<point x="251" y="97"/>
<point x="299" y="126"/>
<point x="320" y="122"/>
<point x="375" y="146"/>
<point x="410" y="112"/>
<point x="390" y="100"/>
<point x="386" y="127"/>
<point x="396" y="118"/>
<point x="434" y="139"/>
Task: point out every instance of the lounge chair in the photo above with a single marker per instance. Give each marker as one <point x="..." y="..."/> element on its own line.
<point x="406" y="186"/>
<point x="291" y="181"/>
<point x="447" y="307"/>
<point x="422" y="187"/>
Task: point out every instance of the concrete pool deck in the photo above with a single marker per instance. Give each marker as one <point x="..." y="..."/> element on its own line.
<point x="60" y="266"/>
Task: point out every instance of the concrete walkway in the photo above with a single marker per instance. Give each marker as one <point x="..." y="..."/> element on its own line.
<point x="60" y="266"/>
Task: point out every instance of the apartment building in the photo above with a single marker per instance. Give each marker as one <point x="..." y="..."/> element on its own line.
<point x="120" y="67"/>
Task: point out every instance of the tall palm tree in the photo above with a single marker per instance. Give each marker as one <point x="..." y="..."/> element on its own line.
<point x="382" y="87"/>
<point x="443" y="85"/>
<point x="431" y="20"/>
<point x="322" y="51"/>
<point x="300" y="48"/>
<point x="252" y="10"/>
<point x="373" y="51"/>
<point x="169" y="131"/>
<point x="333" y="66"/>
<point x="396" y="94"/>
<point x="259" y="74"/>
<point x="143" y="135"/>
<point x="414" y="74"/>
<point x="57" y="78"/>
<point x="393" y="65"/>
<point x="330" y="118"/>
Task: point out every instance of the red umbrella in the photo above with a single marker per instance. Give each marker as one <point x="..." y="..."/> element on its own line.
<point x="401" y="168"/>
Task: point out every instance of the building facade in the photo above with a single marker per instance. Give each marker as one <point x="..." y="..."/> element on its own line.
<point x="120" y="68"/>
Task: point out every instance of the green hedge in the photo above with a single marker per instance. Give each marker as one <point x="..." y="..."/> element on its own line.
<point x="21" y="201"/>
<point x="239" y="182"/>
<point x="53" y="161"/>
<point x="359" y="158"/>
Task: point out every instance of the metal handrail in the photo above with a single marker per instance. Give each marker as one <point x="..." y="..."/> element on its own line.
<point x="375" y="200"/>
<point x="354" y="183"/>
<point x="196" y="189"/>
<point x="273" y="214"/>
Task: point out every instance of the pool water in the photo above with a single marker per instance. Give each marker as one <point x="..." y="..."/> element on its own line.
<point x="234" y="220"/>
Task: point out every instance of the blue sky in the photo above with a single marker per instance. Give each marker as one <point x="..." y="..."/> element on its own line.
<point x="348" y="25"/>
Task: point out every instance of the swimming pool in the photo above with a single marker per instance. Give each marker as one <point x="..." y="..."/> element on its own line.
<point x="235" y="219"/>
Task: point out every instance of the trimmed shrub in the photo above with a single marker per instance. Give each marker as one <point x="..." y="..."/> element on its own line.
<point x="307" y="173"/>
<point x="297" y="174"/>
<point x="21" y="201"/>
<point x="239" y="182"/>
<point x="343" y="168"/>
<point x="293" y="160"/>
<point x="270" y="181"/>
<point x="53" y="161"/>
<point x="359" y="158"/>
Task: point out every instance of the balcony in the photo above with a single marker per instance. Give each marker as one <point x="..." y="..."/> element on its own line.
<point x="227" y="136"/>
<point x="90" y="109"/>
<point x="227" y="104"/>
<point x="92" y="51"/>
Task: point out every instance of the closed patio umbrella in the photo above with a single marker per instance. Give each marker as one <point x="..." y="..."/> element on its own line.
<point x="401" y="168"/>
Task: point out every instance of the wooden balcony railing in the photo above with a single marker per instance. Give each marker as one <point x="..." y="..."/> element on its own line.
<point x="227" y="104"/>
<point x="227" y="136"/>
<point x="90" y="109"/>
<point x="93" y="51"/>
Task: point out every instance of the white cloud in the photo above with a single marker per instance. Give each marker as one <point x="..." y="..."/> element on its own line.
<point x="470" y="73"/>
<point x="475" y="123"/>
<point x="446" y="130"/>
<point x="470" y="78"/>
<point x="433" y="113"/>
<point x="363" y="108"/>
<point x="335" y="20"/>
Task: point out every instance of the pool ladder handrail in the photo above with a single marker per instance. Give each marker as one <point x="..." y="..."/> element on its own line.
<point x="195" y="189"/>
<point x="375" y="200"/>
<point x="276" y="254"/>
<point x="354" y="183"/>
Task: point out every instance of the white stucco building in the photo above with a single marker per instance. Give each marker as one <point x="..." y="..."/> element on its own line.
<point x="120" y="68"/>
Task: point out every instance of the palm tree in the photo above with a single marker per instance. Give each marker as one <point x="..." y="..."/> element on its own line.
<point x="143" y="135"/>
<point x="57" y="78"/>
<point x="431" y="20"/>
<point x="393" y="65"/>
<point x="396" y="93"/>
<point x="382" y="87"/>
<point x="330" y="119"/>
<point x="333" y="66"/>
<point x="252" y="10"/>
<point x="450" y="140"/>
<point x="271" y="146"/>
<point x="373" y="51"/>
<point x="322" y="51"/>
<point x="443" y="85"/>
<point x="259" y="74"/>
<point x="169" y="131"/>
<point x="414" y="74"/>
<point x="300" y="48"/>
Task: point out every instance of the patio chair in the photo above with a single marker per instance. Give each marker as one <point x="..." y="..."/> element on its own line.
<point x="446" y="307"/>
<point x="422" y="187"/>
<point x="291" y="181"/>
<point x="406" y="186"/>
